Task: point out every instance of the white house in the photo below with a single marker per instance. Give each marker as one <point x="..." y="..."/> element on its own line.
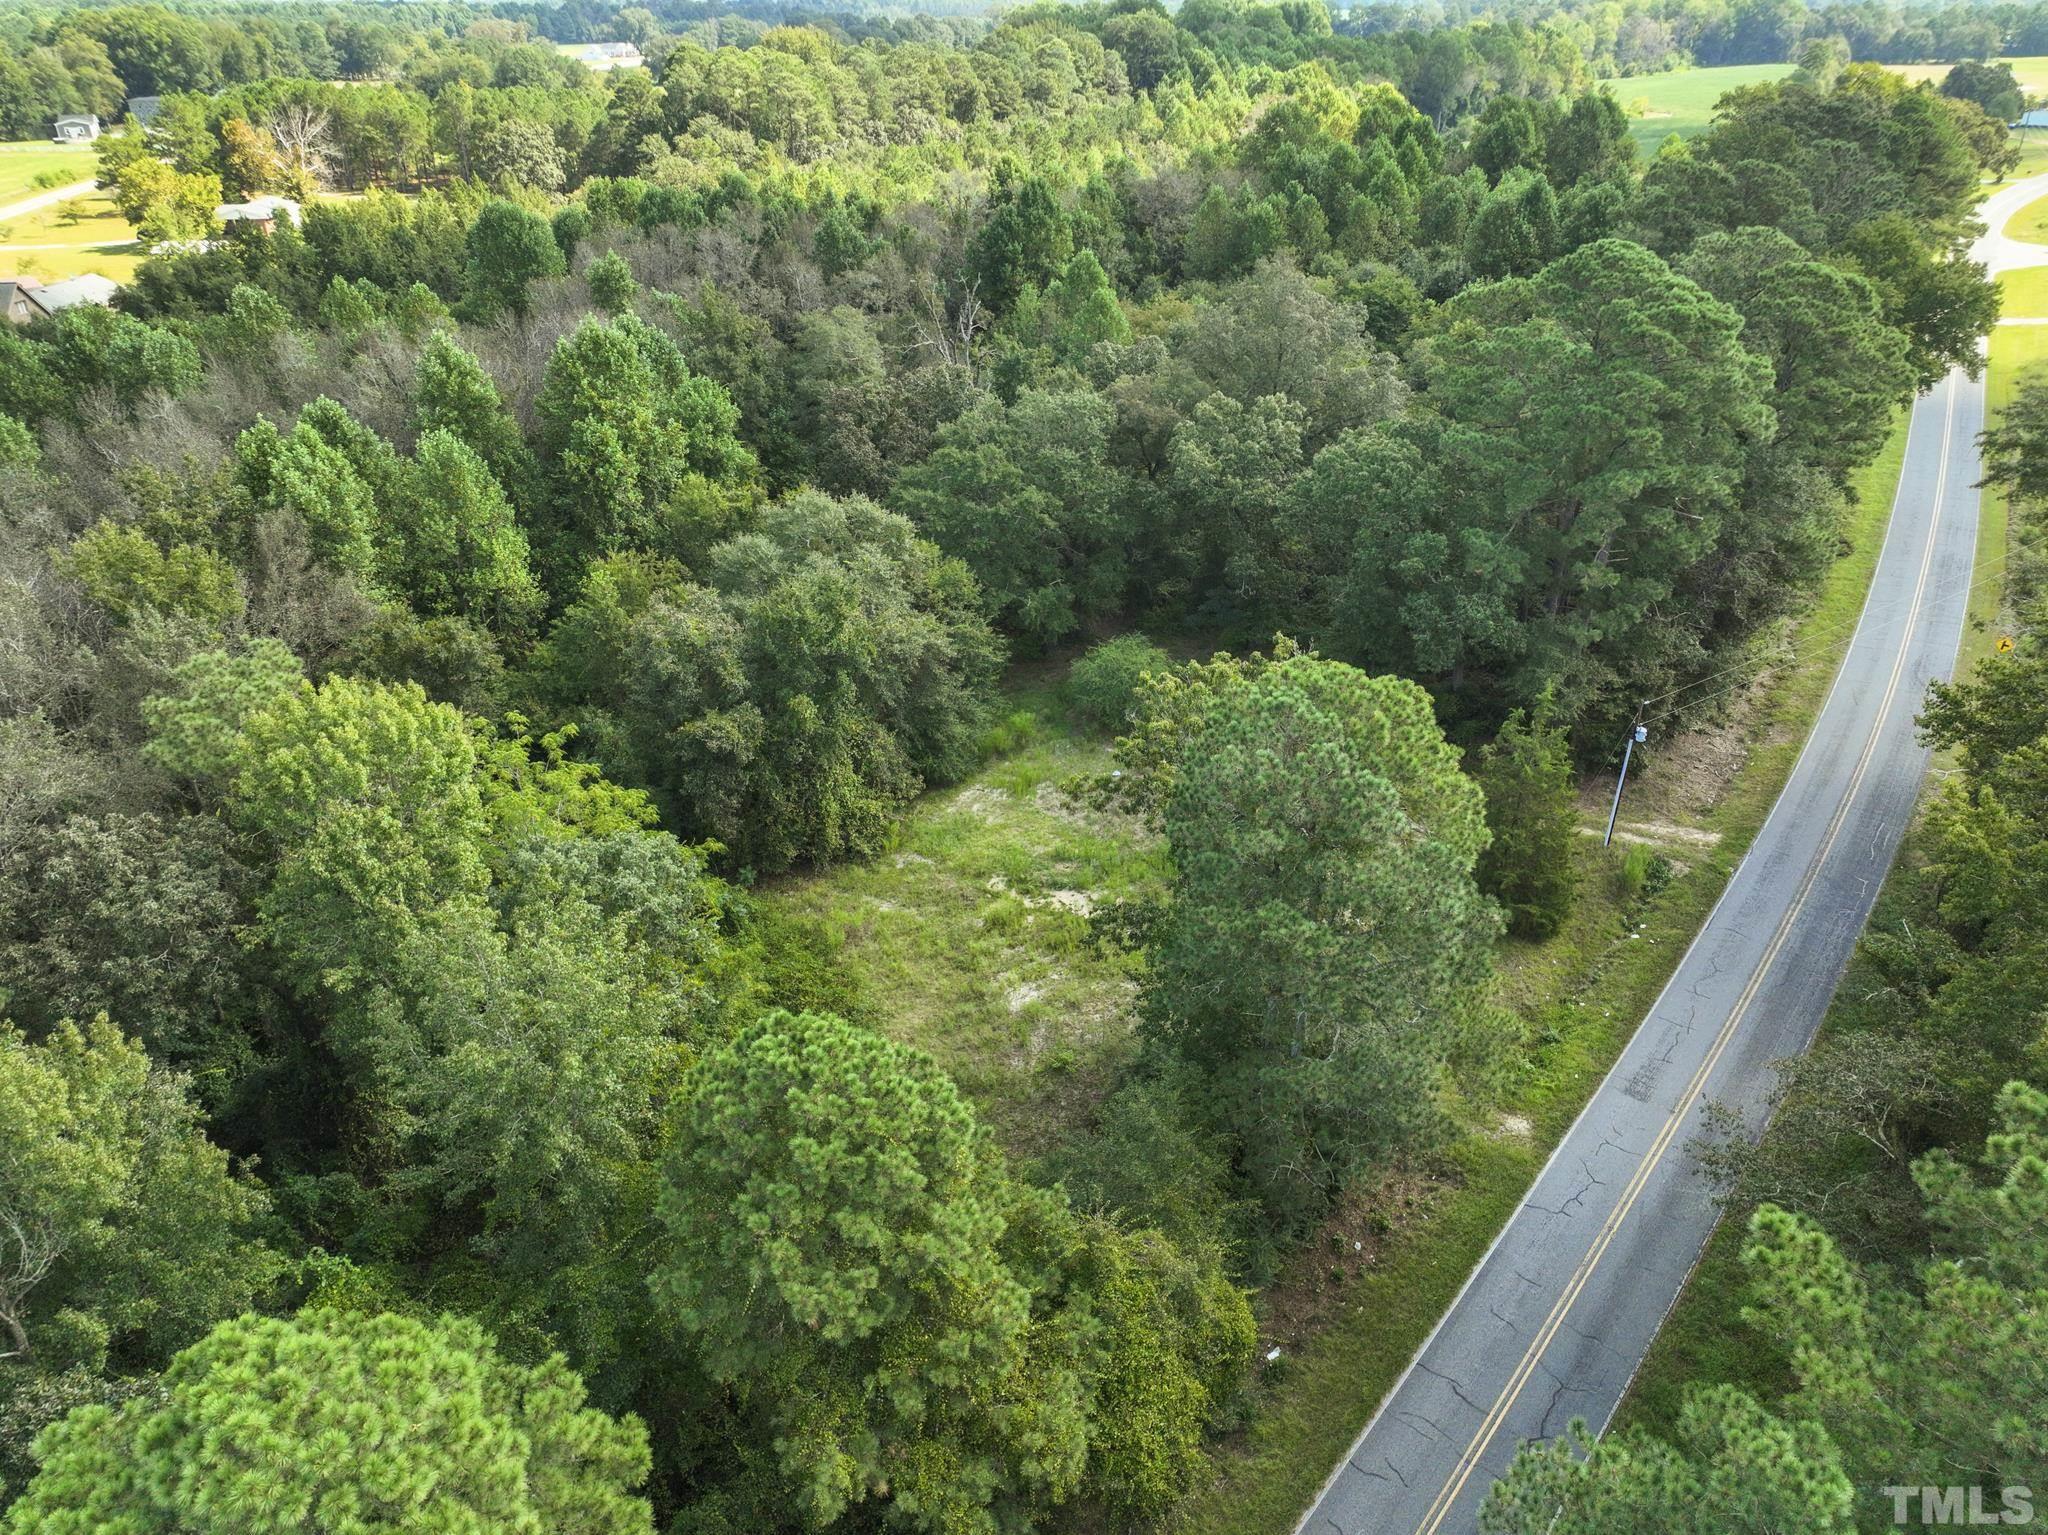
<point x="259" y="213"/>
<point x="76" y="129"/>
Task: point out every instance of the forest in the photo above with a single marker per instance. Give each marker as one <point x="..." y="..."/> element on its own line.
<point x="432" y="628"/>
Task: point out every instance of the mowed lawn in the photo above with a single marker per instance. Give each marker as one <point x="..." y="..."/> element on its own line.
<point x="22" y="163"/>
<point x="2025" y="293"/>
<point x="2031" y="72"/>
<point x="2030" y="223"/>
<point x="1681" y="101"/>
<point x="83" y="234"/>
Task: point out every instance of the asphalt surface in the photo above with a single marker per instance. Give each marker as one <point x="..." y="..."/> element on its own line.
<point x="1554" y="1321"/>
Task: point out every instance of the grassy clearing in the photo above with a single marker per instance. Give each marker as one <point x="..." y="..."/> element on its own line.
<point x="1582" y="995"/>
<point x="969" y="938"/>
<point x="971" y="934"/>
<point x="1704" y="1340"/>
<point x="85" y="234"/>
<point x="1681" y="101"/>
<point x="21" y="164"/>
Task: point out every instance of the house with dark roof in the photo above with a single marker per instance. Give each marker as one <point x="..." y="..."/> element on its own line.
<point x="23" y="299"/>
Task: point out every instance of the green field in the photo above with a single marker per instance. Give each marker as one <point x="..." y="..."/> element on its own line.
<point x="22" y="163"/>
<point x="85" y="234"/>
<point x="2025" y="293"/>
<point x="1681" y="101"/>
<point x="971" y="936"/>
<point x="2030" y="71"/>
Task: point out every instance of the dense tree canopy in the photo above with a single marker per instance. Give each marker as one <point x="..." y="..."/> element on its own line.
<point x="448" y="638"/>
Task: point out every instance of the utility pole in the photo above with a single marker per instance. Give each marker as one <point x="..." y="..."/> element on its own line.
<point x="1637" y="733"/>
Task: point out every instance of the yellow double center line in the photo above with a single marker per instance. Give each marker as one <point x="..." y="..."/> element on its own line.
<point x="1490" y="1425"/>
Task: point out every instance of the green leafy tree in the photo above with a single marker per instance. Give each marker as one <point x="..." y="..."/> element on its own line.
<point x="135" y="916"/>
<point x="612" y="287"/>
<point x="128" y="573"/>
<point x="1509" y="135"/>
<point x="345" y="1423"/>
<point x="123" y="1232"/>
<point x="1840" y="369"/>
<point x="454" y="545"/>
<point x="624" y="424"/>
<point x="1944" y="307"/>
<point x="1081" y="311"/>
<point x="1515" y="229"/>
<point x="1322" y="958"/>
<point x="306" y="476"/>
<point x="838" y="1260"/>
<point x="1589" y="438"/>
<point x="1525" y="773"/>
<point x="833" y="664"/>
<point x="1103" y="686"/>
<point x="1025" y="494"/>
<point x="522" y="152"/>
<point x="1932" y="1383"/>
<point x="508" y="250"/>
<point x="1025" y="241"/>
<point x="1991" y="86"/>
<point x="451" y="392"/>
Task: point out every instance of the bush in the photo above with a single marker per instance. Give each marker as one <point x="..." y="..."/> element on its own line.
<point x="1104" y="683"/>
<point x="1644" y="872"/>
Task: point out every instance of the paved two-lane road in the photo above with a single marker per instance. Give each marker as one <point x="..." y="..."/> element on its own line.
<point x="1558" y="1314"/>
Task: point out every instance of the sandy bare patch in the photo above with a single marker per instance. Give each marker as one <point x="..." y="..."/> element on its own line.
<point x="1022" y="995"/>
<point x="980" y="799"/>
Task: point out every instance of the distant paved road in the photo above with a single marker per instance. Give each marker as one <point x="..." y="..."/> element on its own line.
<point x="45" y="199"/>
<point x="1554" y="1321"/>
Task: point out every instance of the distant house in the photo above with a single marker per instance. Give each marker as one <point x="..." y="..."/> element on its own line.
<point x="2037" y="118"/>
<point x="76" y="130"/>
<point x="20" y="300"/>
<point x="260" y="213"/>
<point x="144" y="108"/>
<point x="602" y="56"/>
<point x="23" y="299"/>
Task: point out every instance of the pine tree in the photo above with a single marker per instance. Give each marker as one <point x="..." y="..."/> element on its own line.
<point x="1527" y="778"/>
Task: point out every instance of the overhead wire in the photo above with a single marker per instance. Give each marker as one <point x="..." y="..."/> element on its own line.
<point x="1806" y="650"/>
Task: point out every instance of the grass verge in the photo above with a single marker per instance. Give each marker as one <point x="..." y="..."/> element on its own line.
<point x="1306" y="1414"/>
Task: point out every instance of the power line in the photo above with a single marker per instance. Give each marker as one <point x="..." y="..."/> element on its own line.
<point x="1806" y="650"/>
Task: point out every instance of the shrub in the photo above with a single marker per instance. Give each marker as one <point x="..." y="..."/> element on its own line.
<point x="1104" y="683"/>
